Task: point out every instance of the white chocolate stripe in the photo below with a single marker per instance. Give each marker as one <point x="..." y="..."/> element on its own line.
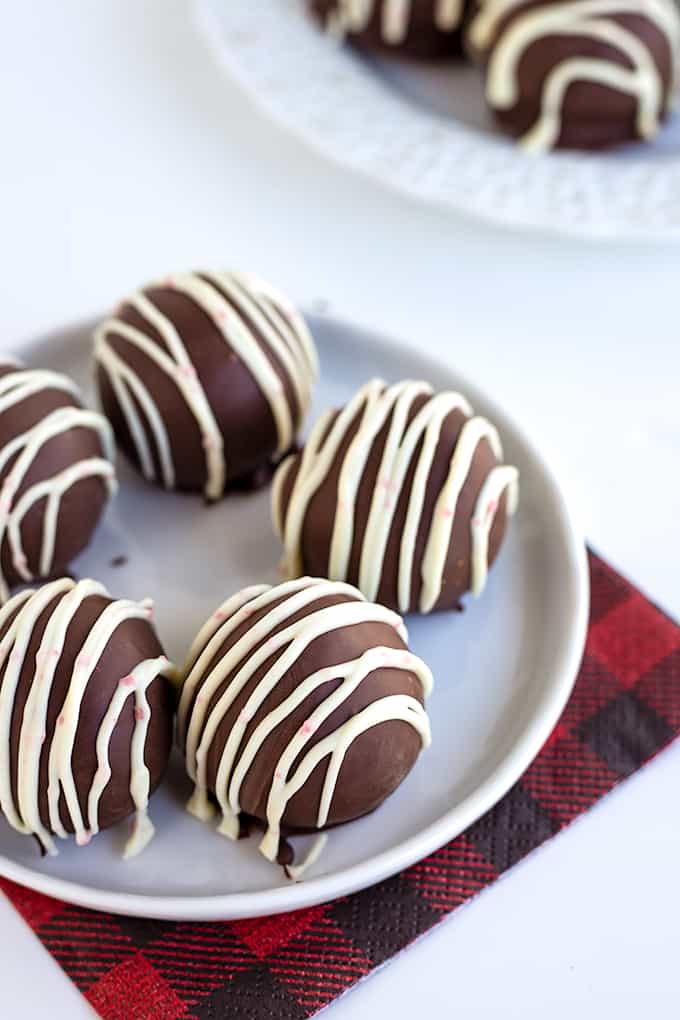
<point x="12" y="655"/>
<point x="392" y="708"/>
<point x="237" y="334"/>
<point x="278" y="483"/>
<point x="61" y="778"/>
<point x="180" y="368"/>
<point x="284" y="648"/>
<point x="299" y="344"/>
<point x="68" y="596"/>
<point x="395" y="19"/>
<point x="449" y="14"/>
<point x="317" y="461"/>
<point x="56" y="422"/>
<point x="35" y="713"/>
<point x="397" y="457"/>
<point x="136" y="684"/>
<point x="280" y="714"/>
<point x="501" y="478"/>
<point x="594" y="19"/>
<point x="396" y="402"/>
<point x="353" y="16"/>
<point x="22" y="384"/>
<point x="288" y="645"/>
<point x="293" y="326"/>
<point x="53" y="489"/>
<point x="211" y="626"/>
<point x="290" y="527"/>
<point x="26" y="447"/>
<point x="545" y="133"/>
<point x="228" y="618"/>
<point x="473" y="432"/>
<point x="182" y="372"/>
<point x="120" y="377"/>
<point x="202" y="730"/>
<point x="369" y="411"/>
<point x="273" y="388"/>
<point x="231" y="301"/>
<point x="335" y="744"/>
<point x="356" y="13"/>
<point x="434" y="417"/>
<point x="296" y="871"/>
<point x="184" y="377"/>
<point x="492" y="12"/>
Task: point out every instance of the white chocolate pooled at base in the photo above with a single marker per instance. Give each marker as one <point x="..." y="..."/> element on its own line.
<point x="16" y="387"/>
<point x="253" y="319"/>
<point x="373" y="407"/>
<point x="273" y="638"/>
<point x="24" y="815"/>
<point x="589" y="19"/>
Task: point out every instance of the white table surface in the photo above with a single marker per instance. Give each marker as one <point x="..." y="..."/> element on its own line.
<point x="124" y="152"/>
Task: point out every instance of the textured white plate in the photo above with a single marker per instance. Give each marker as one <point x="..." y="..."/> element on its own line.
<point x="425" y="131"/>
<point x="503" y="670"/>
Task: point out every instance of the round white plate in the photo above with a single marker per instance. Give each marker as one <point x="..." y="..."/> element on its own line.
<point x="425" y="131"/>
<point x="503" y="670"/>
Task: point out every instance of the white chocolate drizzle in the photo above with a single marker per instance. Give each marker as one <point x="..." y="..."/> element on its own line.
<point x="272" y="637"/>
<point x="589" y="19"/>
<point x="374" y="407"/>
<point x="251" y="317"/>
<point x="24" y="815"/>
<point x="24" y="449"/>
<point x="350" y="17"/>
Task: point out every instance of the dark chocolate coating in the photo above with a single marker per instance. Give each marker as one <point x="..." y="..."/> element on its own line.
<point x="423" y="41"/>
<point x="377" y="761"/>
<point x="81" y="506"/>
<point x="594" y="115"/>
<point x="132" y="642"/>
<point x="317" y="529"/>
<point x="240" y="408"/>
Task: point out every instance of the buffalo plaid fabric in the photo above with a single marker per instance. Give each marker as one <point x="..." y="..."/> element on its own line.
<point x="624" y="709"/>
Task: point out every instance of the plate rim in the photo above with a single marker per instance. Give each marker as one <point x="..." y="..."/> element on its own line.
<point x="300" y="895"/>
<point x="591" y="197"/>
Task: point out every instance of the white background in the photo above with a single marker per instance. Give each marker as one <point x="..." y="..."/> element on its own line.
<point x="124" y="153"/>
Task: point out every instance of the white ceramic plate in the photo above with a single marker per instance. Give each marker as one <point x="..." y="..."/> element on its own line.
<point x="425" y="131"/>
<point x="503" y="670"/>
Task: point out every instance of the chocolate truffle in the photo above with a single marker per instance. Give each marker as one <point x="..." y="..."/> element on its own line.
<point x="402" y="493"/>
<point x="206" y="378"/>
<point x="423" y="29"/>
<point x="580" y="74"/>
<point x="56" y="473"/>
<point x="302" y="708"/>
<point x="85" y="713"/>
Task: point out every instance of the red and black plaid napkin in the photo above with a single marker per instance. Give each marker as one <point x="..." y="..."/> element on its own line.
<point x="624" y="709"/>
